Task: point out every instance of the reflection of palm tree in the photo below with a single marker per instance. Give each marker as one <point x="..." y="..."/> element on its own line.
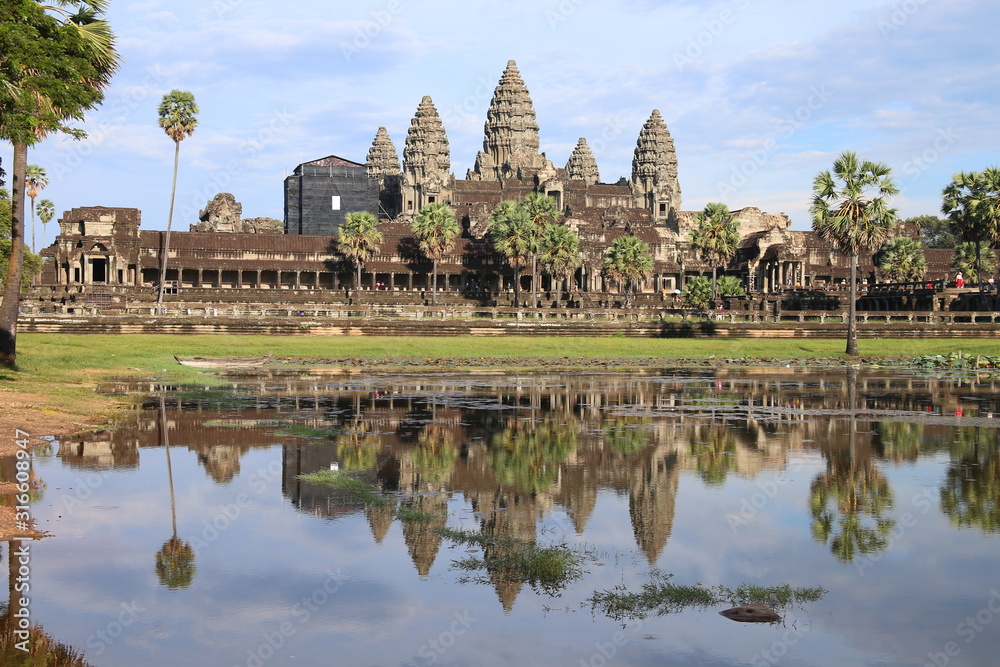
<point x="435" y="453"/>
<point x="175" y="566"/>
<point x="627" y="435"/>
<point x="970" y="495"/>
<point x="528" y="456"/>
<point x="715" y="455"/>
<point x="849" y="502"/>
<point x="899" y="441"/>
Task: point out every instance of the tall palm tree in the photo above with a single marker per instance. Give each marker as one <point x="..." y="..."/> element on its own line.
<point x="358" y="238"/>
<point x="35" y="180"/>
<point x="628" y="262"/>
<point x="513" y="235"/>
<point x="543" y="211"/>
<point x="52" y="75"/>
<point x="436" y="229"/>
<point x="715" y="238"/>
<point x="969" y="255"/>
<point x="850" y="208"/>
<point x="46" y="211"/>
<point x="560" y="253"/>
<point x="178" y="118"/>
<point x="972" y="203"/>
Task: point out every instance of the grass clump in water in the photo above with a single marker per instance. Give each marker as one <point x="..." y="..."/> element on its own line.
<point x="305" y="431"/>
<point x="660" y="596"/>
<point x="354" y="488"/>
<point x="545" y="568"/>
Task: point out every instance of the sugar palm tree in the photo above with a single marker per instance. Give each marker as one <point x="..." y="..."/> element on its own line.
<point x="628" y="262"/>
<point x="513" y="235"/>
<point x="543" y="211"/>
<point x="715" y="238"/>
<point x="850" y="208"/>
<point x="178" y="118"/>
<point x="972" y="203"/>
<point x="970" y="255"/>
<point x="436" y="230"/>
<point x="902" y="260"/>
<point x="35" y="181"/>
<point x="358" y="238"/>
<point x="46" y="211"/>
<point x="560" y="253"/>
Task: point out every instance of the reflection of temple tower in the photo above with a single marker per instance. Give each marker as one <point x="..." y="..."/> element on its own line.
<point x="422" y="538"/>
<point x="511" y="143"/>
<point x="578" y="495"/>
<point x="380" y="517"/>
<point x="222" y="462"/>
<point x="652" y="493"/>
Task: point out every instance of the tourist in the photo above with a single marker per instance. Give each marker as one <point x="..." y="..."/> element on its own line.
<point x="959" y="280"/>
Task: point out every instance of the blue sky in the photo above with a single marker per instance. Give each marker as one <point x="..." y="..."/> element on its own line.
<point x="759" y="95"/>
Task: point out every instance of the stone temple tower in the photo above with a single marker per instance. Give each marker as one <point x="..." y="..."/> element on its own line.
<point x="582" y="165"/>
<point x="383" y="166"/>
<point x="427" y="174"/>
<point x="511" y="143"/>
<point x="654" y="171"/>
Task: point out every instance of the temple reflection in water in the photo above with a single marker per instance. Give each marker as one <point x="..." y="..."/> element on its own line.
<point x="518" y="447"/>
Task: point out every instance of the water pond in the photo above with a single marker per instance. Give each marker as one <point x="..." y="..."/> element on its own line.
<point x="492" y="519"/>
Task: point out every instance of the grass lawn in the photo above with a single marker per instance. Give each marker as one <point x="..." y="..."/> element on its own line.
<point x="65" y="369"/>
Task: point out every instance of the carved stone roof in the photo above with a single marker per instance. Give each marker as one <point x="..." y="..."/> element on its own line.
<point x="382" y="156"/>
<point x="331" y="161"/>
<point x="582" y="165"/>
<point x="426" y="150"/>
<point x="511" y="140"/>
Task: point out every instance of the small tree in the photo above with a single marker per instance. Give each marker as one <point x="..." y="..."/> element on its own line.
<point x="46" y="210"/>
<point x="730" y="286"/>
<point x="902" y="260"/>
<point x="543" y="211"/>
<point x="358" y="238"/>
<point x="178" y="118"/>
<point x="698" y="293"/>
<point x="628" y="262"/>
<point x="970" y="255"/>
<point x="436" y="230"/>
<point x="850" y="208"/>
<point x="560" y="253"/>
<point x="715" y="238"/>
<point x="35" y="181"/>
<point x="513" y="235"/>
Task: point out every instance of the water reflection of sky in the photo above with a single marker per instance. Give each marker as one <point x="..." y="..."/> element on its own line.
<point x="277" y="584"/>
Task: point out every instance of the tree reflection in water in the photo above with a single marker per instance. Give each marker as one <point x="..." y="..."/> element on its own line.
<point x="175" y="565"/>
<point x="527" y="454"/>
<point x="970" y="495"/>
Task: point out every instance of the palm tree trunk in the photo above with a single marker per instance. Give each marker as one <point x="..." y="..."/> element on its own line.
<point x="852" y="317"/>
<point x="715" y="287"/>
<point x="357" y="284"/>
<point x="534" y="281"/>
<point x="33" y="225"/>
<point x="434" y="284"/>
<point x="517" y="287"/>
<point x="979" y="273"/>
<point x="15" y="266"/>
<point x="170" y="219"/>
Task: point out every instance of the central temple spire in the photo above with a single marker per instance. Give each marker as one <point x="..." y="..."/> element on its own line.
<point x="511" y="141"/>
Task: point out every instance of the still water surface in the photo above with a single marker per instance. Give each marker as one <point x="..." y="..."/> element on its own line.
<point x="188" y="539"/>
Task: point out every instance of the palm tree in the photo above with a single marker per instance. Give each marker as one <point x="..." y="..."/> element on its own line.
<point x="715" y="238"/>
<point x="46" y="211"/>
<point x="358" y="238"/>
<point x="902" y="260"/>
<point x="55" y="75"/>
<point x="972" y="254"/>
<point x="513" y="236"/>
<point x="178" y="118"/>
<point x="436" y="229"/>
<point x="972" y="203"/>
<point x="543" y="211"/>
<point x="850" y="208"/>
<point x="34" y="181"/>
<point x="628" y="262"/>
<point x="560" y="253"/>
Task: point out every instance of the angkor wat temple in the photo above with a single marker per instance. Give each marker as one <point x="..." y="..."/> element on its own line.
<point x="104" y="247"/>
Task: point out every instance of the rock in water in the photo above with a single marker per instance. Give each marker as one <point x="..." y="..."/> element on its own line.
<point x="752" y="613"/>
